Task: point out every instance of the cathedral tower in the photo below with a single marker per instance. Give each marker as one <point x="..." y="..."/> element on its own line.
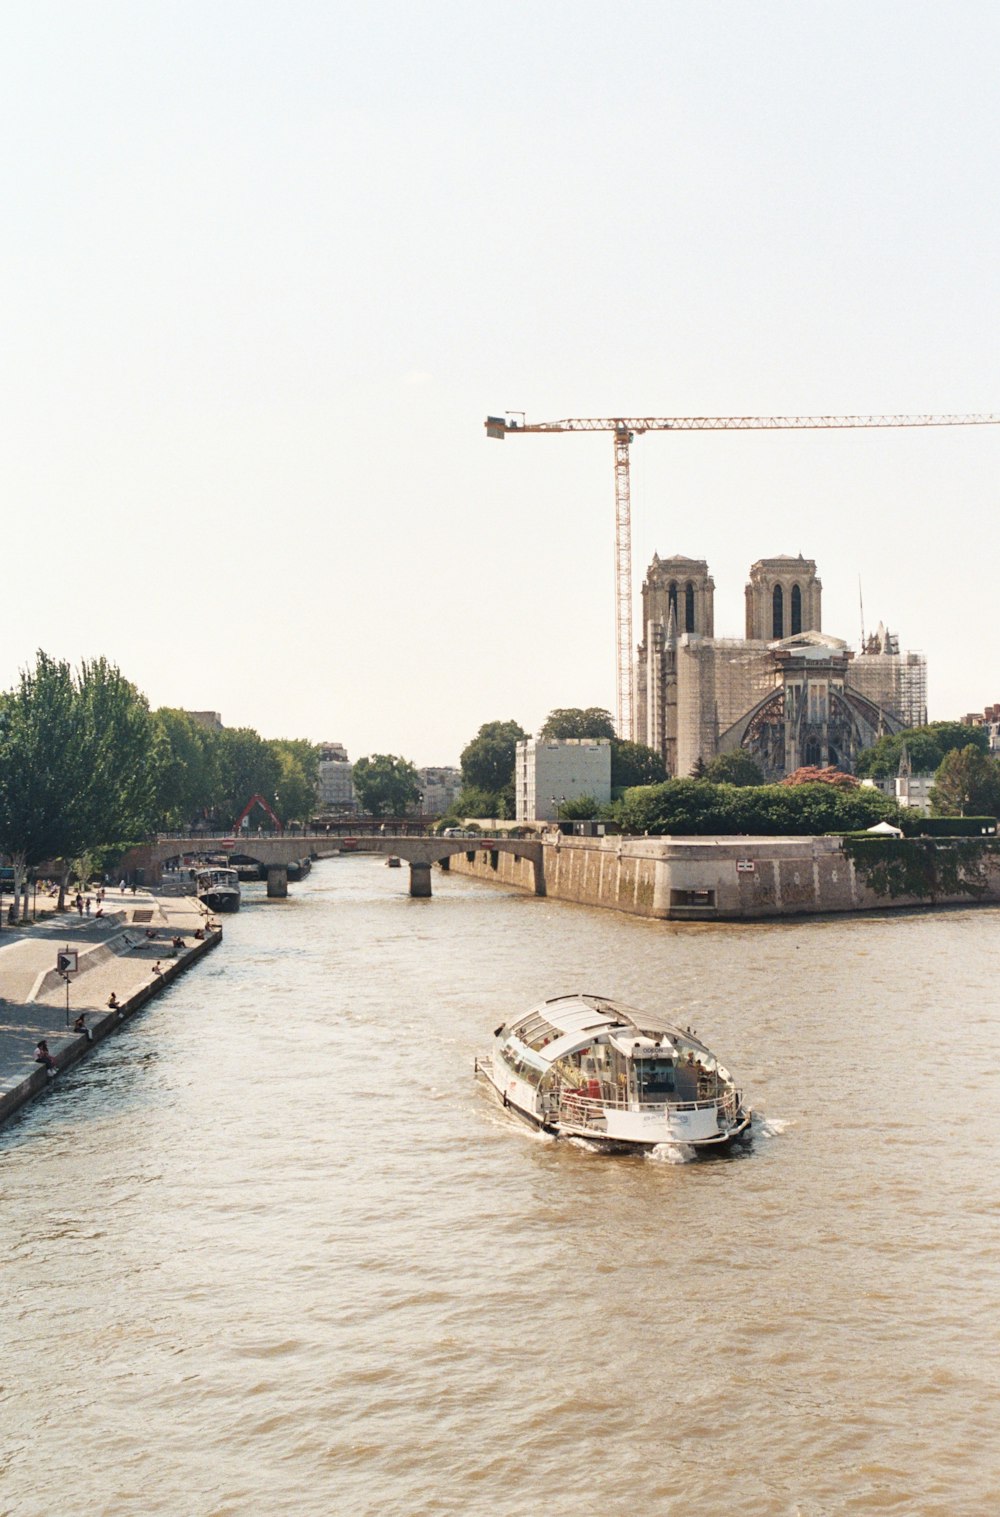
<point x="684" y="586"/>
<point x="783" y="599"/>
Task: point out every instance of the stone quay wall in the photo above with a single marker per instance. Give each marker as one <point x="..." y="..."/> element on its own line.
<point x="718" y="879"/>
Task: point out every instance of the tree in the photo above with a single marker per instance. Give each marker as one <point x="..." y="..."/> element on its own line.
<point x="488" y="761"/>
<point x="298" y="778"/>
<point x="574" y="721"/>
<point x="76" y="764"/>
<point x="697" y="807"/>
<point x="186" y="757"/>
<point x="42" y="767"/>
<point x="635" y="764"/>
<point x="966" y="784"/>
<point x="118" y="804"/>
<point x="248" y="766"/>
<point x="951" y="735"/>
<point x="579" y="808"/>
<point x="733" y="769"/>
<point x="812" y="774"/>
<point x="472" y="801"/>
<point x="386" y="785"/>
<point x="925" y="748"/>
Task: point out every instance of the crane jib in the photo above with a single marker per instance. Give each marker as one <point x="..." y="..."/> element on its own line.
<point x="500" y="426"/>
<point x="625" y="428"/>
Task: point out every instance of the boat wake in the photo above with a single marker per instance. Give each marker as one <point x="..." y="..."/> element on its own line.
<point x="672" y="1153"/>
<point x="770" y="1127"/>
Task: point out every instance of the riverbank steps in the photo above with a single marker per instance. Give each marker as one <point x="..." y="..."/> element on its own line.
<point x="128" y="951"/>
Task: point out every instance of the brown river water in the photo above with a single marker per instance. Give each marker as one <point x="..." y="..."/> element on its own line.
<point x="273" y="1250"/>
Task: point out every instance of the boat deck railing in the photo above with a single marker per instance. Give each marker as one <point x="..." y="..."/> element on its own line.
<point x="588" y="1111"/>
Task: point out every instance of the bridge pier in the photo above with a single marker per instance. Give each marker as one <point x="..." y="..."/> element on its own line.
<point x="538" y="869"/>
<point x="420" y="879"/>
<point x="277" y="882"/>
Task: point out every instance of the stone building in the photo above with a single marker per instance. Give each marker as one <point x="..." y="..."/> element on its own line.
<point x="336" y="784"/>
<point x="439" y="787"/>
<point x="787" y="694"/>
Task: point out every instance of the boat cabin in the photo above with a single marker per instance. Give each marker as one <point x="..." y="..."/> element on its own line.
<point x="609" y="1053"/>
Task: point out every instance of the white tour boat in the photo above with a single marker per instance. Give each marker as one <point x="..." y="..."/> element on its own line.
<point x="583" y="1066"/>
<point x="218" y="888"/>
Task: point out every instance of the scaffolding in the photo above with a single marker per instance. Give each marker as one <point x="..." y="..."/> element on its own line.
<point x="895" y="681"/>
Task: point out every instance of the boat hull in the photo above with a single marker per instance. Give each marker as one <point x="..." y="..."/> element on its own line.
<point x="220" y="900"/>
<point x="617" y="1141"/>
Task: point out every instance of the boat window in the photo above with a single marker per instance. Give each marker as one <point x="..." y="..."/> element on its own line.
<point x="655" y="1077"/>
<point x="536" y="1031"/>
<point x="522" y="1060"/>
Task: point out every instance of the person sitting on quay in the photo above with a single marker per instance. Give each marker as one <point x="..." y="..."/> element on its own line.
<point x="157" y="968"/>
<point x="178" y="942"/>
<point x="80" y="1025"/>
<point x="42" y="1056"/>
<point x="113" y="1002"/>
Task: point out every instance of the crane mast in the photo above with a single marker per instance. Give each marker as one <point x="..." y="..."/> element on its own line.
<point x="625" y="429"/>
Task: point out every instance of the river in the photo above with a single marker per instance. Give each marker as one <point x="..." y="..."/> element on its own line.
<point x="272" y="1250"/>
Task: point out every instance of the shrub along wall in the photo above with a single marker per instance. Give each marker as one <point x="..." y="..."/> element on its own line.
<point x="924" y="867"/>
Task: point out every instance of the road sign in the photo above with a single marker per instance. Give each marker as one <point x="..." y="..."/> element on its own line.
<point x="66" y="961"/>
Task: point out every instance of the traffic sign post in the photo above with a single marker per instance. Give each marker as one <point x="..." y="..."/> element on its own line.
<point x="67" y="963"/>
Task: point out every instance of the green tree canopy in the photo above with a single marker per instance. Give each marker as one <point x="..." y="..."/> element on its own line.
<point x="733" y="769"/>
<point x="43" y="766"/>
<point x="186" y="766"/>
<point x="118" y="804"/>
<point x="247" y="766"/>
<point x="298" y="778"/>
<point x="966" y="784"/>
<point x="386" y="785"/>
<point x="76" y="763"/>
<point x="952" y="735"/>
<point x="576" y="721"/>
<point x="925" y="747"/>
<point x="473" y="801"/>
<point x="691" y="806"/>
<point x="635" y="764"/>
<point x="488" y="761"/>
<point x="579" y="808"/>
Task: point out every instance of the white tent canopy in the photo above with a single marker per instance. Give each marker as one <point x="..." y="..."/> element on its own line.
<point x="886" y="830"/>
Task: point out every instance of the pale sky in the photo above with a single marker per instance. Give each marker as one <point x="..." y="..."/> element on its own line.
<point x="267" y="266"/>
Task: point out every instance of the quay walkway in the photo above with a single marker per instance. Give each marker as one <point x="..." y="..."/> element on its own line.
<point x="114" y="953"/>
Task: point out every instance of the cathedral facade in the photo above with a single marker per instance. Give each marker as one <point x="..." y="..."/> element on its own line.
<point x="787" y="694"/>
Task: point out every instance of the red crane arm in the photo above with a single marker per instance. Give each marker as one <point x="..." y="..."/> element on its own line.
<point x="257" y="800"/>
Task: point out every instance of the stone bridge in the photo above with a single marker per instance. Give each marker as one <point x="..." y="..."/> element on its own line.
<point x="276" y="853"/>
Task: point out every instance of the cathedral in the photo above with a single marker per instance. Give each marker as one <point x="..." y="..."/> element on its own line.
<point x="787" y="694"/>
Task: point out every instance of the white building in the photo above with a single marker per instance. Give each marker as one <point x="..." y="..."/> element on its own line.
<point x="914" y="790"/>
<point x="550" y="771"/>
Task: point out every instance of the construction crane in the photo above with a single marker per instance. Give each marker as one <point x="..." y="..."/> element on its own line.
<point x="625" y="429"/>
